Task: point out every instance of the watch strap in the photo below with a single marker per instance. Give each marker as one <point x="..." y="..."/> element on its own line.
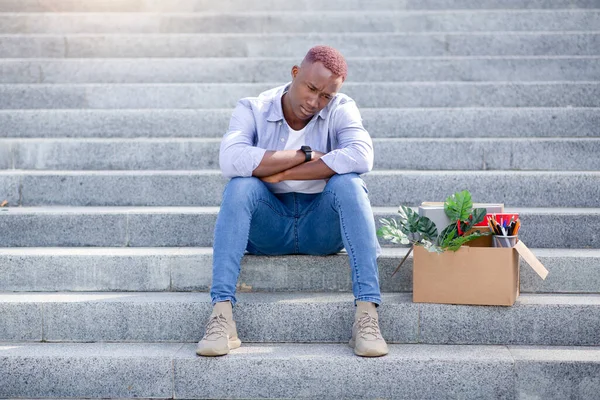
<point x="307" y="153"/>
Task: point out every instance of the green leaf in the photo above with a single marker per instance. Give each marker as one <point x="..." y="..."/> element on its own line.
<point x="449" y="238"/>
<point x="409" y="219"/>
<point x="390" y="230"/>
<point x="445" y="232"/>
<point x="458" y="206"/>
<point x="478" y="215"/>
<point x="455" y="244"/>
<point x="427" y="228"/>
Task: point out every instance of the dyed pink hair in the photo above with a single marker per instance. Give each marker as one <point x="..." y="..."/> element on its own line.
<point x="331" y="59"/>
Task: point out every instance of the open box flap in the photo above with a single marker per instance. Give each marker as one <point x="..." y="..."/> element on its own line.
<point x="531" y="259"/>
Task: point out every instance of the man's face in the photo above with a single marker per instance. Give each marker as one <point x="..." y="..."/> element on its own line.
<point x="313" y="86"/>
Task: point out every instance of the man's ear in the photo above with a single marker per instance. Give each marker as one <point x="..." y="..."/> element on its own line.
<point x="295" y="70"/>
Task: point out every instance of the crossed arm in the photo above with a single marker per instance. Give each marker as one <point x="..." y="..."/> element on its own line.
<point x="277" y="166"/>
<point x="239" y="155"/>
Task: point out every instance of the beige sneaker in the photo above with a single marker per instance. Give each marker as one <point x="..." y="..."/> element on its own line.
<point x="366" y="336"/>
<point x="221" y="333"/>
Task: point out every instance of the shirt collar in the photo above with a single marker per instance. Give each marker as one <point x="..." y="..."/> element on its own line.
<point x="276" y="112"/>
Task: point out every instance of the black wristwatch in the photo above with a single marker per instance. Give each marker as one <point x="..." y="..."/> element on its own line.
<point x="307" y="153"/>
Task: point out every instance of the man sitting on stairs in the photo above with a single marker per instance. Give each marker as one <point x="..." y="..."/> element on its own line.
<point x="293" y="155"/>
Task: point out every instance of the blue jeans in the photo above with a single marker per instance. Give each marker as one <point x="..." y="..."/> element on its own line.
<point x="254" y="219"/>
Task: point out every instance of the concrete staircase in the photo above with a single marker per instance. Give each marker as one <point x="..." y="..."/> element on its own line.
<point x="110" y="119"/>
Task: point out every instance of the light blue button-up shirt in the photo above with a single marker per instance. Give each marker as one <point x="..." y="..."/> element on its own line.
<point x="258" y="125"/>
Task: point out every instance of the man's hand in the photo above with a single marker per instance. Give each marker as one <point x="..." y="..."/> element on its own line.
<point x="312" y="170"/>
<point x="276" y="178"/>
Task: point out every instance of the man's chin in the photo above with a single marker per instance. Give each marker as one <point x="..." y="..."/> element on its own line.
<point x="304" y="116"/>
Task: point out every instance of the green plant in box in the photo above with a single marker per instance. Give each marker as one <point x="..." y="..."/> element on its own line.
<point x="412" y="228"/>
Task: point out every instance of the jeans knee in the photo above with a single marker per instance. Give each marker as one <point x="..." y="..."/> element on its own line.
<point x="346" y="183"/>
<point x="242" y="189"/>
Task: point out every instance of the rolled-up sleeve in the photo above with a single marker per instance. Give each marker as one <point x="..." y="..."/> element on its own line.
<point x="238" y="156"/>
<point x="354" y="152"/>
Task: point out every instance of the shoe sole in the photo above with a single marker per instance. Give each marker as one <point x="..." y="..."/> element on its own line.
<point x="211" y="352"/>
<point x="365" y="354"/>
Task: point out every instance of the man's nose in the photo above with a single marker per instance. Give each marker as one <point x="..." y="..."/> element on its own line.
<point x="313" y="101"/>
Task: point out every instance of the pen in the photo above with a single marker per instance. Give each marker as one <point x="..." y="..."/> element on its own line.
<point x="517" y="226"/>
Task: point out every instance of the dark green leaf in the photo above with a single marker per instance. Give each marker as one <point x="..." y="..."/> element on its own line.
<point x="445" y="232"/>
<point x="427" y="228"/>
<point x="409" y="220"/>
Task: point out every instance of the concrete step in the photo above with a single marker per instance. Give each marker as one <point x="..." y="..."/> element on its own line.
<point x="573" y="43"/>
<point x="112" y="269"/>
<point x="172" y="370"/>
<point x="381" y="123"/>
<point x="302" y="22"/>
<point x="279" y="5"/>
<point x="240" y="70"/>
<point x="557" y="228"/>
<point x="549" y="154"/>
<point x="386" y="188"/>
<point x="220" y="95"/>
<point x="535" y="319"/>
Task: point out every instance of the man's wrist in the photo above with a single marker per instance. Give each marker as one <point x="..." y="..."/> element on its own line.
<point x="307" y="153"/>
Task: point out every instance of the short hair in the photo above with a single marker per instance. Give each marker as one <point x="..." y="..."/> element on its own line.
<point x="331" y="58"/>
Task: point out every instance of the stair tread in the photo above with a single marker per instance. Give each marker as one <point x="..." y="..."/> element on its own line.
<point x="529" y="299"/>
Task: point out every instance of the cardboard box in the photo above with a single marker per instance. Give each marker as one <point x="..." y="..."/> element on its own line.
<point x="471" y="275"/>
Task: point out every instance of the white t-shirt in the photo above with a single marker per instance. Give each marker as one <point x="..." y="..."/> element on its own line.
<point x="296" y="140"/>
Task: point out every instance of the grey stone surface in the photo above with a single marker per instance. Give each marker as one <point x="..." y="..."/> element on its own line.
<point x="386" y="188"/>
<point x="296" y="370"/>
<point x="277" y="5"/>
<point x="523" y="188"/>
<point x="6" y="155"/>
<point x="538" y="228"/>
<point x="87" y="269"/>
<point x="559" y="154"/>
<point x="322" y="317"/>
<point x="571" y="271"/>
<point x="381" y="123"/>
<point x="295" y="45"/>
<point x="333" y="371"/>
<point x="153" y="317"/>
<point x="243" y="70"/>
<point x="128" y="317"/>
<point x="548" y="154"/>
<point x="172" y="227"/>
<point x="62" y="227"/>
<point x="88" y="370"/>
<point x="190" y="269"/>
<point x="534" y="319"/>
<point x="122" y="188"/>
<point x="120" y="123"/>
<point x="556" y="372"/>
<point x="9" y="188"/>
<point x="117" y="154"/>
<point x="321" y="274"/>
<point x="308" y="317"/>
<point x="23" y="46"/>
<point x="397" y="94"/>
<point x="21" y="321"/>
<point x="300" y="22"/>
<point x="543" y="155"/>
<point x="194" y="226"/>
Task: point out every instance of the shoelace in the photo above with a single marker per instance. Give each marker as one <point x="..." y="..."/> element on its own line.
<point x="368" y="327"/>
<point x="217" y="327"/>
